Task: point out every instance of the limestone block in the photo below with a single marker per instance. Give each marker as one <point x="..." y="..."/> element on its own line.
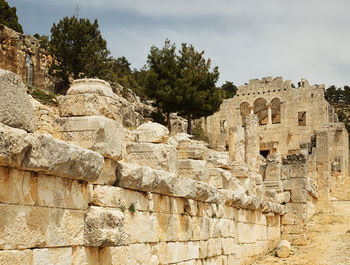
<point x="152" y="132"/>
<point x="207" y="193"/>
<point x="194" y="169"/>
<point x="294" y="229"/>
<point x="15" y="107"/>
<point x="214" y="247"/>
<point x="143" y="178"/>
<point x="17" y="186"/>
<point x="61" y="192"/>
<point x="296" y="166"/>
<point x="274" y="166"/>
<point x="200" y="228"/>
<point x="141" y="227"/>
<point x="108" y="175"/>
<point x="30" y="226"/>
<point x="115" y="197"/>
<point x="297" y="188"/>
<point x="173" y="227"/>
<point x="11" y="257"/>
<point x="104" y="227"/>
<point x="97" y="133"/>
<point x="219" y="160"/>
<point x="228" y="246"/>
<point x="157" y="156"/>
<point x="252" y="141"/>
<point x="161" y="203"/>
<point x="178" y="250"/>
<point x="85" y="255"/>
<point x="39" y="152"/>
<point x="283" y="249"/>
<point x="237" y="144"/>
<point x="191" y="207"/>
<point x="193" y="249"/>
<point x="190" y="149"/>
<point x="52" y="256"/>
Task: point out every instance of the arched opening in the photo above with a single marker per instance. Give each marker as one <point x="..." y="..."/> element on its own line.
<point x="260" y="110"/>
<point x="276" y="110"/>
<point x="244" y="111"/>
<point x="29" y="68"/>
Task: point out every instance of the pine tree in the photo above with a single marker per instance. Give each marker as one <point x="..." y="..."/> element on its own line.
<point x="8" y="16"/>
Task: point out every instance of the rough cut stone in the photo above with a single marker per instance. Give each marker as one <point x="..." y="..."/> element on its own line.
<point x="194" y="169"/>
<point x="283" y="249"/>
<point x="219" y="159"/>
<point x="152" y="132"/>
<point x="15" y="107"/>
<point x="104" y="227"/>
<point x="156" y="156"/>
<point x="43" y="153"/>
<point x="97" y="133"/>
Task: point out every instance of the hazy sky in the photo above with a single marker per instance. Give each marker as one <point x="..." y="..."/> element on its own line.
<point x="247" y="39"/>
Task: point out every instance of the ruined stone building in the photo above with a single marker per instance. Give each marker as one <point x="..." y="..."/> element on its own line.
<point x="22" y="55"/>
<point x="78" y="187"/>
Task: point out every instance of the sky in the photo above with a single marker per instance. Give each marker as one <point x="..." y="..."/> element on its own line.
<point x="246" y="39"/>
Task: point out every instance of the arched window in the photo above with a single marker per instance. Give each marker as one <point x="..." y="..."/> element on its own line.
<point x="260" y="110"/>
<point x="29" y="67"/>
<point x="276" y="110"/>
<point x="244" y="111"/>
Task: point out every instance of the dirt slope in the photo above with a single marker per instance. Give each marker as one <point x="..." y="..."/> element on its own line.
<point x="328" y="244"/>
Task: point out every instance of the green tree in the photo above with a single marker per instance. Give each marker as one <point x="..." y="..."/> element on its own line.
<point x="8" y="16"/>
<point x="229" y="88"/>
<point x="79" y="51"/>
<point x="333" y="94"/>
<point x="182" y="82"/>
<point x="200" y="96"/>
<point x="346" y="93"/>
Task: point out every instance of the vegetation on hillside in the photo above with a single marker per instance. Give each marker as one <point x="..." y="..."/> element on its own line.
<point x="8" y="16"/>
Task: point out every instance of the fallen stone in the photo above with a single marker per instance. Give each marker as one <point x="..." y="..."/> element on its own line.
<point x="152" y="132"/>
<point x="283" y="249"/>
<point x="15" y="107"/>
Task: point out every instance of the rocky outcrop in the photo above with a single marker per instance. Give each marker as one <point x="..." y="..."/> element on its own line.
<point x="22" y="55"/>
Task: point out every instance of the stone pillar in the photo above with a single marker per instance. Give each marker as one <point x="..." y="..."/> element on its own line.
<point x="323" y="170"/>
<point x="252" y="141"/>
<point x="236" y="144"/>
<point x="269" y="114"/>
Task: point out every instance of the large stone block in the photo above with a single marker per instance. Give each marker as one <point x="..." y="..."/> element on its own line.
<point x="104" y="227"/>
<point x="108" y="175"/>
<point x="157" y="156"/>
<point x="43" y="153"/>
<point x="141" y="227"/>
<point x="11" y="257"/>
<point x="152" y="132"/>
<point x="52" y="256"/>
<point x="194" y="169"/>
<point x="190" y="149"/>
<point x="219" y="160"/>
<point x="15" y="107"/>
<point x="237" y="144"/>
<point x="144" y="178"/>
<point x="97" y="133"/>
<point x="115" y="197"/>
<point x="30" y="226"/>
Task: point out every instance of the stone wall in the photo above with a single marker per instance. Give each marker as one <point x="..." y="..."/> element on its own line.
<point x="101" y="193"/>
<point x="22" y="55"/>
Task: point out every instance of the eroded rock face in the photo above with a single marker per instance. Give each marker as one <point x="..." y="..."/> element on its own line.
<point x="15" y="107"/>
<point x="152" y="132"/>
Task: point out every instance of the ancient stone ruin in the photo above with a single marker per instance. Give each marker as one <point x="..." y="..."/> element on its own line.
<point x="81" y="188"/>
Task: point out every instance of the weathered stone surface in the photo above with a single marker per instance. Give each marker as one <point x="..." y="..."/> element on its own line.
<point x="237" y="144"/>
<point x="274" y="166"/>
<point x="104" y="227"/>
<point x="194" y="169"/>
<point x="91" y="86"/>
<point x="219" y="160"/>
<point x="48" y="256"/>
<point x="108" y="175"/>
<point x="283" y="249"/>
<point x="144" y="178"/>
<point x="156" y="156"/>
<point x="97" y="133"/>
<point x="39" y="152"/>
<point x="190" y="149"/>
<point x="152" y="132"/>
<point x="252" y="147"/>
<point x="11" y="257"/>
<point x="29" y="227"/>
<point x="15" y="107"/>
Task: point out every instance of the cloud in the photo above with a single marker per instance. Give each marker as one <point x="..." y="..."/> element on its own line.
<point x="246" y="39"/>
